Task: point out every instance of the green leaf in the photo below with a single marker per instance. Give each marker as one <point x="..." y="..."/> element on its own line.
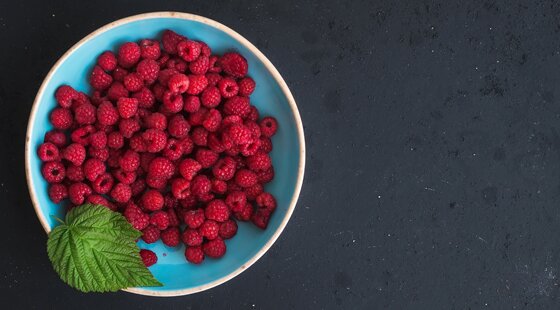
<point x="95" y="250"/>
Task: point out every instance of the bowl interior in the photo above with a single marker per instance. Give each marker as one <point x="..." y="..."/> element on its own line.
<point x="172" y="269"/>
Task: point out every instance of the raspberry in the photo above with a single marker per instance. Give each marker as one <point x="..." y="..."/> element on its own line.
<point x="200" y="185"/>
<point x="100" y="200"/>
<point x="187" y="145"/>
<point x="75" y="153"/>
<point x="197" y="83"/>
<point x="101" y="154"/>
<point x="125" y="177"/>
<point x="145" y="98"/>
<point x="100" y="80"/>
<point x="170" y="39"/>
<point x="228" y="87"/>
<point x="178" y="127"/>
<point x="48" y="152"/>
<point x="136" y="217"/>
<point x="236" y="201"/>
<point x="251" y="148"/>
<point x="145" y="160"/>
<point x="129" y="54"/>
<point x="209" y="229"/>
<point x="207" y="197"/>
<point x="93" y="168"/>
<point x="200" y="65"/>
<point x="206" y="157"/>
<point x="213" y="78"/>
<point x="149" y="49"/>
<point x="56" y="137"/>
<point x="239" y="134"/>
<point x="114" y="156"/>
<point x="161" y="168"/>
<point x="266" y="145"/>
<point x="156" y="183"/>
<point x="237" y="105"/>
<point x="155" y="140"/>
<point x="204" y="49"/>
<point x="212" y="120"/>
<point x="66" y="95"/>
<point x="165" y="75"/>
<point x="130" y="161"/>
<point x="85" y="114"/>
<point x="149" y="258"/>
<point x="245" y="178"/>
<point x="171" y="236"/>
<point x="245" y="214"/>
<point x="78" y="193"/>
<point x="61" y="118"/>
<point x="163" y="59"/>
<point x="57" y="192"/>
<point x="148" y="70"/>
<point x="107" y="61"/>
<point x="217" y="210"/>
<point x="180" y="188"/>
<point x="74" y="173"/>
<point x="121" y="193"/>
<point x="128" y="127"/>
<point x="199" y="136"/>
<point x="212" y="65"/>
<point x="194" y="218"/>
<point x="137" y="143"/>
<point x="246" y="86"/>
<point x="214" y="143"/>
<point x="173" y="219"/>
<point x="265" y="176"/>
<point x="228" y="229"/>
<point x="253" y="115"/>
<point x="115" y="140"/>
<point x="266" y="201"/>
<point x="150" y="234"/>
<point x="97" y="97"/>
<point x="234" y="64"/>
<point x="173" y="102"/>
<point x="178" y="83"/>
<point x="230" y="120"/>
<point x="119" y="73"/>
<point x="268" y="125"/>
<point x="194" y="255"/>
<point x="260" y="218"/>
<point x="160" y="219"/>
<point x="98" y="140"/>
<point x="211" y="97"/>
<point x="156" y="121"/>
<point x="254" y="191"/>
<point x="191" y="237"/>
<point x="116" y="91"/>
<point x="81" y="135"/>
<point x="133" y="82"/>
<point x="219" y="187"/>
<point x="214" y="248"/>
<point x="197" y="118"/>
<point x="189" y="202"/>
<point x="127" y="107"/>
<point x="254" y="128"/>
<point x="258" y="162"/>
<point x="233" y="151"/>
<point x="152" y="200"/>
<point x="192" y="104"/>
<point x="188" y="168"/>
<point x="103" y="183"/>
<point x="173" y="150"/>
<point x="188" y="50"/>
<point x="224" y="169"/>
<point x="137" y="187"/>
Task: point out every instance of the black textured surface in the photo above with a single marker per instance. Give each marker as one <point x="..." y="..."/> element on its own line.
<point x="433" y="172"/>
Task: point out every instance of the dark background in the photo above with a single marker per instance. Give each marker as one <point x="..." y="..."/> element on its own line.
<point x="433" y="166"/>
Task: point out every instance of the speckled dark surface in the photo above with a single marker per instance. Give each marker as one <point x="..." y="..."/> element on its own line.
<point x="433" y="168"/>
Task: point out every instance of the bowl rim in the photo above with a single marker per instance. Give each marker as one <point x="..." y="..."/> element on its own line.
<point x="267" y="64"/>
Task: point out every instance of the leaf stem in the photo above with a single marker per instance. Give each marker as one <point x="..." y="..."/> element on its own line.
<point x="57" y="219"/>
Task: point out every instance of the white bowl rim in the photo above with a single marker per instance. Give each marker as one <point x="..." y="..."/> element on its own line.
<point x="268" y="65"/>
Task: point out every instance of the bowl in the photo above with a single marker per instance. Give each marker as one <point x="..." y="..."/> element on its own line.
<point x="272" y="97"/>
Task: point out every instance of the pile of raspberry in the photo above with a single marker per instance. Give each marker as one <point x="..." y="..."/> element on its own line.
<point x="170" y="139"/>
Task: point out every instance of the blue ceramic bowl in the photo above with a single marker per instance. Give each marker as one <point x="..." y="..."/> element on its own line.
<point x="272" y="97"/>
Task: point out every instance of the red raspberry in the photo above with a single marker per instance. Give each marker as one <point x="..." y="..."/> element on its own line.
<point x="266" y="145"/>
<point x="100" y="80"/>
<point x="107" y="61"/>
<point x="48" y="152"/>
<point x="212" y="120"/>
<point x="121" y="193"/>
<point x="232" y="186"/>
<point x="165" y="75"/>
<point x="178" y="83"/>
<point x="156" y="183"/>
<point x="129" y="54"/>
<point x="188" y="50"/>
<point x="61" y="118"/>
<point x="254" y="128"/>
<point x="101" y="154"/>
<point x="133" y="82"/>
<point x="172" y="102"/>
<point x="234" y="64"/>
<point x="178" y="127"/>
<point x="149" y="258"/>
<point x="173" y="219"/>
<point x="171" y="236"/>
<point x="180" y="188"/>
<point x="119" y="74"/>
<point x="200" y="65"/>
<point x="236" y="201"/>
<point x="260" y="218"/>
<point x="107" y="114"/>
<point x="204" y="49"/>
<point x="137" y="143"/>
<point x="81" y="135"/>
<point x="265" y="176"/>
<point x="170" y="39"/>
<point x="100" y="200"/>
<point x="197" y="83"/>
<point x="149" y="49"/>
<point x="192" y="104"/>
<point x="217" y="210"/>
<point x="78" y="193"/>
<point x="233" y="151"/>
<point x="228" y="87"/>
<point x="163" y="59"/>
<point x="194" y="254"/>
<point x="160" y="219"/>
<point x="75" y="173"/>
<point x="114" y="156"/>
<point x="136" y="217"/>
<point x="127" y="107"/>
<point x="214" y="248"/>
<point x="148" y="70"/>
<point x="128" y="127"/>
<point x="156" y="121"/>
<point x="206" y="157"/>
<point x="152" y="200"/>
<point x="230" y="120"/>
<point x="204" y="198"/>
<point x="237" y="105"/>
<point x="239" y="134"/>
<point x="246" y="86"/>
<point x="254" y="191"/>
<point x="214" y="143"/>
<point x="197" y="118"/>
<point x="57" y="192"/>
<point x="209" y="229"/>
<point x="103" y="183"/>
<point x="173" y="150"/>
<point x="115" y="140"/>
<point x="75" y="153"/>
<point x="98" y="140"/>
<point x="56" y="137"/>
<point x="268" y="125"/>
<point x="194" y="218"/>
<point x="137" y="187"/>
<point x="199" y="136"/>
<point x="187" y="144"/>
<point x="212" y="65"/>
<point x="177" y="64"/>
<point x="150" y="234"/>
<point x="188" y="203"/>
<point x="245" y="214"/>
<point x="161" y="168"/>
<point x="200" y="185"/>
<point x="65" y="96"/>
<point x="210" y="97"/>
<point x="93" y="168"/>
<point x="219" y="187"/>
<point x="253" y="115"/>
<point x="130" y="161"/>
<point x="259" y="162"/>
<point x="191" y="237"/>
<point x="188" y="168"/>
<point x="228" y="229"/>
<point x="213" y="78"/>
<point x="224" y="169"/>
<point x="266" y="201"/>
<point x="155" y="140"/>
<point x="117" y="91"/>
<point x="145" y="160"/>
<point x="145" y="97"/>
<point x="125" y="177"/>
<point x="245" y="178"/>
